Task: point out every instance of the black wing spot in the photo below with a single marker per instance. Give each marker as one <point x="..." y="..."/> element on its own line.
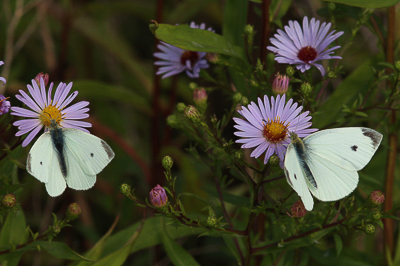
<point x="107" y="149"/>
<point x="354" y="147"/>
<point x="41" y="163"/>
<point x="91" y="154"/>
<point x="295" y="177"/>
<point x="28" y="163"/>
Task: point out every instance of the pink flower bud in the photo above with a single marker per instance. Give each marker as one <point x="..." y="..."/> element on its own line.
<point x="376" y="197"/>
<point x="45" y="78"/>
<point x="298" y="210"/>
<point x="158" y="197"/>
<point x="280" y="84"/>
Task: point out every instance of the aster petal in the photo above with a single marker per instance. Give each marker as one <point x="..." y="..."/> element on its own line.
<point x="75" y="124"/>
<point x="76" y="107"/>
<point x="68" y="100"/>
<point x="259" y="150"/>
<point x="249" y="116"/>
<point x="60" y="104"/>
<point x="58" y="93"/>
<point x="253" y="142"/>
<point x="28" y="101"/>
<point x="35" y="93"/>
<point x="320" y="68"/>
<point x="49" y="94"/>
<point x="31" y="135"/>
<point x="3" y="79"/>
<point x="18" y="111"/>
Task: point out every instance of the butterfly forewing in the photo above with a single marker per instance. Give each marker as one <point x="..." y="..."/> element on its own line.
<point x="296" y="178"/>
<point x="350" y="148"/>
<point x="42" y="163"/>
<point x="91" y="152"/>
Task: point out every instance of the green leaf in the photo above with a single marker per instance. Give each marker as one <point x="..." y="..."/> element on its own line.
<point x="338" y="243"/>
<point x="367" y="3"/>
<point x="12" y="258"/>
<point x="58" y="250"/>
<point x="178" y="255"/>
<point x="187" y="38"/>
<point x="13" y="232"/>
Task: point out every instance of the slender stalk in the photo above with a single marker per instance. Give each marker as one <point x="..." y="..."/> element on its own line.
<point x="393" y="139"/>
<point x="265" y="30"/>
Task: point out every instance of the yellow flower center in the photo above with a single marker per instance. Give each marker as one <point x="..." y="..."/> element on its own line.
<point x="50" y="113"/>
<point x="275" y="130"/>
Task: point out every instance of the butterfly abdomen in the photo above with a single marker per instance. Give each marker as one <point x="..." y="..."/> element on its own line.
<point x="57" y="138"/>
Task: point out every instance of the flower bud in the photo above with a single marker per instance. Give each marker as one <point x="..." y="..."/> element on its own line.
<point x="274" y="160"/>
<point x="73" y="211"/>
<point x="369" y="229"/>
<point x="181" y="107"/>
<point x="192" y="114"/>
<point x="212" y="220"/>
<point x="126" y="189"/>
<point x="45" y="78"/>
<point x="200" y="99"/>
<point x="167" y="162"/>
<point x="158" y="197"/>
<point x="245" y="101"/>
<point x="56" y="229"/>
<point x="192" y="85"/>
<point x="4" y="105"/>
<point x="376" y="215"/>
<point x="237" y="97"/>
<point x="397" y="66"/>
<point x="238" y="155"/>
<point x="173" y="121"/>
<point x="280" y="84"/>
<point x="214" y="119"/>
<point x="298" y="210"/>
<point x="376" y="198"/>
<point x="9" y="200"/>
<point x="290" y="71"/>
<point x="306" y="88"/>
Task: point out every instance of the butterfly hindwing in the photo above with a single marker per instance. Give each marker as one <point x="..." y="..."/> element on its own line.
<point x="296" y="178"/>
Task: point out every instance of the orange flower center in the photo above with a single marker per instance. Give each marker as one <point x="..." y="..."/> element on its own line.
<point x="51" y="113"/>
<point x="193" y="57"/>
<point x="275" y="130"/>
<point x="307" y="54"/>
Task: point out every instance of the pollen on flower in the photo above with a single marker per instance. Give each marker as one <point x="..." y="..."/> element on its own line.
<point x="307" y="54"/>
<point x="275" y="130"/>
<point x="50" y="113"/>
<point x="193" y="57"/>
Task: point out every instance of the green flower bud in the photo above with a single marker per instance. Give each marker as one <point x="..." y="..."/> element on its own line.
<point x="214" y="119"/>
<point x="192" y="85"/>
<point x="290" y="71"/>
<point x="245" y="101"/>
<point x="9" y="200"/>
<point x="306" y="88"/>
<point x="237" y="97"/>
<point x="181" y="107"/>
<point x="238" y="155"/>
<point x="73" y="211"/>
<point x="126" y="189"/>
<point x="274" y="160"/>
<point x="369" y="229"/>
<point x="376" y="215"/>
<point x="212" y="57"/>
<point x="192" y="114"/>
<point x="397" y="66"/>
<point x="173" y="121"/>
<point x="56" y="228"/>
<point x="212" y="220"/>
<point x="167" y="162"/>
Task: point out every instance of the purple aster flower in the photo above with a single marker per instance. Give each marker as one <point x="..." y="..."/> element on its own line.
<point x="175" y="60"/>
<point x="1" y="78"/>
<point x="269" y="124"/>
<point x="4" y="105"/>
<point x="158" y="197"/>
<point x="44" y="109"/>
<point x="304" y="47"/>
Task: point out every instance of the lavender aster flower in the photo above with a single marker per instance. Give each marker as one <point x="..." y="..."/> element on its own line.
<point x="4" y="105"/>
<point x="175" y="60"/>
<point x="269" y="124"/>
<point x="44" y="109"/>
<point x="304" y="47"/>
<point x="1" y="78"/>
<point x="158" y="197"/>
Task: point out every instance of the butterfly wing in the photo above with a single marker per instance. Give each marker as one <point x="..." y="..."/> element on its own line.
<point x="296" y="178"/>
<point x="43" y="164"/>
<point x="86" y="156"/>
<point x="335" y="155"/>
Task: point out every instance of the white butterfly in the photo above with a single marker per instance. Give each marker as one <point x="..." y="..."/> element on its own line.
<point x="67" y="156"/>
<point x="326" y="163"/>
